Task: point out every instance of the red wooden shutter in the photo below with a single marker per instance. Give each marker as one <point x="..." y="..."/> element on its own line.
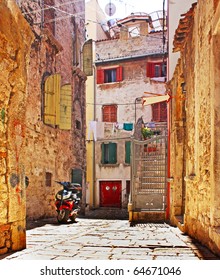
<point x="156" y="112"/>
<point x="150" y="69"/>
<point x="100" y="76"/>
<point x="159" y="112"/>
<point x="109" y="113"/>
<point x="119" y="74"/>
<point x="163" y="111"/>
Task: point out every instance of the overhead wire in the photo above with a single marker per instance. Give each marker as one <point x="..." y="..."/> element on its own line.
<point x="77" y="14"/>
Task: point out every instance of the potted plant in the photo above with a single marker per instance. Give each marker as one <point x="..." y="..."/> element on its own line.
<point x="147" y="133"/>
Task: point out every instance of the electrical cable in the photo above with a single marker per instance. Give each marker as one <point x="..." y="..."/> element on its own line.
<point x="74" y="15"/>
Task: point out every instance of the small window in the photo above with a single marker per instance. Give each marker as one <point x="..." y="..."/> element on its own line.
<point x="109" y="153"/>
<point x="109" y="113"/>
<point x="156" y="69"/>
<point x="78" y="124"/>
<point x="109" y="75"/>
<point x="128" y="152"/>
<point x="134" y="31"/>
<point x="48" y="179"/>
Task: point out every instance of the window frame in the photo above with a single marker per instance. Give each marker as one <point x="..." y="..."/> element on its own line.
<point x="109" y="153"/>
<point x="156" y="69"/>
<point x="102" y="74"/>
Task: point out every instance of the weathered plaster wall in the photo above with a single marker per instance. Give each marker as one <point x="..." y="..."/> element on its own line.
<point x="135" y="84"/>
<point x="15" y="41"/>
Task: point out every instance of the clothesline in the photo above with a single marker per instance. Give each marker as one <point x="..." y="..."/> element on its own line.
<point x="96" y="128"/>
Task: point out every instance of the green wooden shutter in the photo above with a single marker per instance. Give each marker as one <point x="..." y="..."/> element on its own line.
<point x="65" y="107"/>
<point x="128" y="152"/>
<point x="112" y="153"/>
<point x="103" y="153"/>
<point x="52" y="100"/>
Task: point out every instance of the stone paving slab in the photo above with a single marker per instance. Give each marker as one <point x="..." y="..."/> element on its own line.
<point x="101" y="239"/>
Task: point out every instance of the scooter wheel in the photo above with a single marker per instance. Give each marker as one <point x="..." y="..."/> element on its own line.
<point x="63" y="216"/>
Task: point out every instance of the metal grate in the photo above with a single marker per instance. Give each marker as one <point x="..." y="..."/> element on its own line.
<point x="149" y="173"/>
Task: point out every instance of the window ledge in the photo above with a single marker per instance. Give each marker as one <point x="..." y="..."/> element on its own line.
<point x="109" y="165"/>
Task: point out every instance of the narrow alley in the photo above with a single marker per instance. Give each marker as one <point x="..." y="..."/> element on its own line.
<point x="92" y="238"/>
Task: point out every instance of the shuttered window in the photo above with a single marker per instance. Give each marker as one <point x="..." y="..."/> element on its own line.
<point x="65" y="107"/>
<point x="159" y="112"/>
<point x="156" y="69"/>
<point x="128" y="152"/>
<point x="109" y="153"/>
<point x="52" y="100"/>
<point x="110" y="75"/>
<point x="57" y="103"/>
<point x="109" y="113"/>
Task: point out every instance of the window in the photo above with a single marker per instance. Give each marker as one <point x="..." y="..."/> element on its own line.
<point x="156" y="69"/>
<point x="109" y="113"/>
<point x="109" y="75"/>
<point x="134" y="31"/>
<point x="109" y="153"/>
<point x="52" y="100"/>
<point x="48" y="179"/>
<point x="57" y="102"/>
<point x="76" y="176"/>
<point x="159" y="112"/>
<point x="128" y="152"/>
<point x="78" y="124"/>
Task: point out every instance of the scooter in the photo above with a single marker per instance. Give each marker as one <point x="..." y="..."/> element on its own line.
<point x="68" y="201"/>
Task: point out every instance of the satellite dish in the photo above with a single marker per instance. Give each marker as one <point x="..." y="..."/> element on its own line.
<point x="110" y="9"/>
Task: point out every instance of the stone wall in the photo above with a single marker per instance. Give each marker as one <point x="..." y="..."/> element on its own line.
<point x="34" y="154"/>
<point x="195" y="190"/>
<point x="52" y="153"/>
<point x="15" y="41"/>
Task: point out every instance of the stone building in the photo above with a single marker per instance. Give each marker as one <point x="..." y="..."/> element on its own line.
<point x="43" y="116"/>
<point x="130" y="66"/>
<point x="15" y="41"/>
<point x="194" y="125"/>
<point x="55" y="123"/>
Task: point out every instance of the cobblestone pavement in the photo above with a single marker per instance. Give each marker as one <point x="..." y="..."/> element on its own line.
<point x="105" y="239"/>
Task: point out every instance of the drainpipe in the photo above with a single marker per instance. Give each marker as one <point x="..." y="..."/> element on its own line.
<point x="168" y="125"/>
<point x="94" y="116"/>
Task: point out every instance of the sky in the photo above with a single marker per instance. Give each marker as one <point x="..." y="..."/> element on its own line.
<point x="126" y="7"/>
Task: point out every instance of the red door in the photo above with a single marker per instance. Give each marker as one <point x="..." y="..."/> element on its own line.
<point x="110" y="193"/>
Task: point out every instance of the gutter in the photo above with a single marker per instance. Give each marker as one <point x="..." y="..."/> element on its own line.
<point x="101" y="61"/>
